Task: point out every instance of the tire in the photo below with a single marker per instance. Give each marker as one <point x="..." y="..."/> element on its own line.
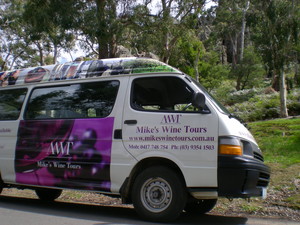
<point x="1" y="185"/>
<point x="158" y="194"/>
<point x="46" y="194"/>
<point x="198" y="206"/>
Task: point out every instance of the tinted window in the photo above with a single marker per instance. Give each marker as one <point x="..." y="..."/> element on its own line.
<point x="11" y="103"/>
<point x="86" y="100"/>
<point x="161" y="93"/>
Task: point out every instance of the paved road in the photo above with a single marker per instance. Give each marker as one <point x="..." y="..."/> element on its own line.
<point x="22" y="211"/>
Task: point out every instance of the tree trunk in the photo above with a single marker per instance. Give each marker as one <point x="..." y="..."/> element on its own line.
<point x="113" y="46"/>
<point x="103" y="50"/>
<point x="297" y="73"/>
<point x="243" y="32"/>
<point x="55" y="50"/>
<point x="41" y="53"/>
<point x="234" y="41"/>
<point x="196" y="64"/>
<point x="5" y="61"/>
<point x="238" y="82"/>
<point x="283" y="104"/>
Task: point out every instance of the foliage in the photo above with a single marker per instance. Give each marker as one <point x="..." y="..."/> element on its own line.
<point x="211" y="71"/>
<point x="279" y="140"/>
<point x="224" y="91"/>
<point x="242" y="96"/>
<point x="249" y="72"/>
<point x="187" y="54"/>
<point x="15" y="46"/>
<point x="260" y="107"/>
<point x="294" y="102"/>
<point x="234" y="45"/>
<point x="276" y="37"/>
<point x="255" y="104"/>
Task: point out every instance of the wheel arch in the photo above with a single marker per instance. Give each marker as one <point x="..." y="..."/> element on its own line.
<point x="125" y="189"/>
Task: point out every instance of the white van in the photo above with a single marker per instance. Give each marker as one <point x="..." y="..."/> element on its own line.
<point x="130" y="127"/>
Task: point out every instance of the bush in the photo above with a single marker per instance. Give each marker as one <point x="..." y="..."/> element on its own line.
<point x="223" y="92"/>
<point x="293" y="103"/>
<point x="243" y="95"/>
<point x="252" y="105"/>
<point x="259" y="107"/>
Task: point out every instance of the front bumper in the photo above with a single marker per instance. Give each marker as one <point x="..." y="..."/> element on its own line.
<point x="242" y="177"/>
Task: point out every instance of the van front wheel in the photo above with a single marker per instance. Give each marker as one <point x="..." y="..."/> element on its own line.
<point x="47" y="194"/>
<point x="158" y="194"/>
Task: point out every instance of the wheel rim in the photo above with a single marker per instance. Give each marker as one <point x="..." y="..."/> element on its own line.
<point x="156" y="194"/>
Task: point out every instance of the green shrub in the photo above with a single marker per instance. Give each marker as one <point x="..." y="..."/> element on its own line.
<point x="242" y="95"/>
<point x="293" y="102"/>
<point x="259" y="107"/>
<point x="223" y="92"/>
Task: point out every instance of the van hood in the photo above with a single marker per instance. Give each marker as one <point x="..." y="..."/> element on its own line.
<point x="230" y="126"/>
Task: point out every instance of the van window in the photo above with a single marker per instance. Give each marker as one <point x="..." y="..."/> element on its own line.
<point x="85" y="100"/>
<point x="162" y="94"/>
<point x="11" y="102"/>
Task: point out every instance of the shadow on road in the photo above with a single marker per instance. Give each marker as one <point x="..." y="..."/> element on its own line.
<point x="109" y="214"/>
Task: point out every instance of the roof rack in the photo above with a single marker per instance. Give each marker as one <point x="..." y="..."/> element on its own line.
<point x="84" y="69"/>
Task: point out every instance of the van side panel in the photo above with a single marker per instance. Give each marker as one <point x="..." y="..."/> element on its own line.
<point x="73" y="153"/>
<point x="8" y="133"/>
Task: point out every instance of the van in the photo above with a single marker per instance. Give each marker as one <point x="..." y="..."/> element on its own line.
<point x="134" y="128"/>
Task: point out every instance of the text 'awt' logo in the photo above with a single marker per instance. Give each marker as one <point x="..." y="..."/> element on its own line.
<point x="61" y="147"/>
<point x="171" y="119"/>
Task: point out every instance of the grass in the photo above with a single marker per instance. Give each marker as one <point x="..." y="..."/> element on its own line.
<point x="279" y="140"/>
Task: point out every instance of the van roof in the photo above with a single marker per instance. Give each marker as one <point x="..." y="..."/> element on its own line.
<point x="84" y="69"/>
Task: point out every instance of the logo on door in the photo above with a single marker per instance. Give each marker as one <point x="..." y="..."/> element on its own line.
<point x="171" y="119"/>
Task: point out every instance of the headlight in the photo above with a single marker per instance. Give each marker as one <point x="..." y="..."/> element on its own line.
<point x="230" y="146"/>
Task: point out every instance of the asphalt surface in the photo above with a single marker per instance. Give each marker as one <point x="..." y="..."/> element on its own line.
<point x="24" y="211"/>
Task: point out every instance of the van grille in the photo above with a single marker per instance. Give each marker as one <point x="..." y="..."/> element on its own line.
<point x="258" y="156"/>
<point x="263" y="180"/>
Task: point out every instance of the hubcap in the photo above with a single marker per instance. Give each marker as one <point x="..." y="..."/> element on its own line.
<point x="156" y="194"/>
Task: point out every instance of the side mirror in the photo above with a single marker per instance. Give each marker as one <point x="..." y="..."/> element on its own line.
<point x="199" y="103"/>
<point x="198" y="100"/>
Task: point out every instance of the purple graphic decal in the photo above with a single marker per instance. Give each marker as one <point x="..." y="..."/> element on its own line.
<point x="65" y="153"/>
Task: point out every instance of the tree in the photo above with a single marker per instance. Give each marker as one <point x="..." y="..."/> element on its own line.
<point x="163" y="26"/>
<point x="249" y="72"/>
<point x="230" y="24"/>
<point x="14" y="43"/>
<point x="50" y="25"/>
<point x="188" y="53"/>
<point x="275" y="38"/>
<point x="102" y="24"/>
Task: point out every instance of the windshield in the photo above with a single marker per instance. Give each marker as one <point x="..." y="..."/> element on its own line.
<point x="216" y="103"/>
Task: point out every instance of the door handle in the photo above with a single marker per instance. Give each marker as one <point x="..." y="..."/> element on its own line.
<point x="130" y="122"/>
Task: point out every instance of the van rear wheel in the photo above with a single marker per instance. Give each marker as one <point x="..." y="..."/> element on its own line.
<point x="46" y="194"/>
<point x="158" y="194"/>
<point x="200" y="206"/>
